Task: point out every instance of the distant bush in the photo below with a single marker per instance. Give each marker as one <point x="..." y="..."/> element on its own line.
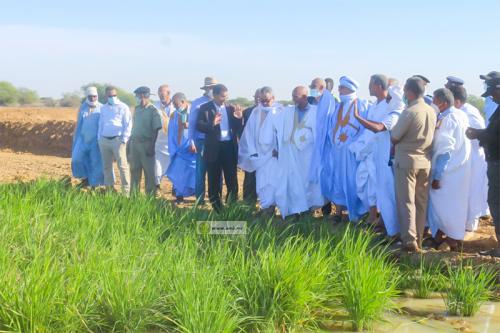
<point x="124" y="96"/>
<point x="8" y="93"/>
<point x="242" y="101"/>
<point x="70" y="100"/>
<point x="27" y="96"/>
<point x="48" y="102"/>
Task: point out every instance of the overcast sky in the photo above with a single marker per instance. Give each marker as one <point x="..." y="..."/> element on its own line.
<point x="57" y="46"/>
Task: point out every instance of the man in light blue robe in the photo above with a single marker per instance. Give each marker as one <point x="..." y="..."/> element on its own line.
<point x="86" y="160"/>
<point x="321" y="170"/>
<point x="182" y="168"/>
<point x="343" y="130"/>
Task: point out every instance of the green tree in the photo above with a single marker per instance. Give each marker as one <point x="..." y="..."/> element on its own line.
<point x="8" y="93"/>
<point x="241" y="101"/>
<point x="125" y="96"/>
<point x="478" y="102"/>
<point x="72" y="100"/>
<point x="27" y="96"/>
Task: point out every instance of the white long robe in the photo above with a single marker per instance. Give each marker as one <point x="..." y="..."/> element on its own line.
<point x="478" y="193"/>
<point x="162" y="156"/>
<point x="255" y="153"/>
<point x="375" y="177"/>
<point x="448" y="206"/>
<point x="363" y="148"/>
<point x="295" y="148"/>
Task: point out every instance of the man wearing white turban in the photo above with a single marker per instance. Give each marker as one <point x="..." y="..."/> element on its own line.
<point x="86" y="160"/>
<point x="343" y="130"/>
<point x="380" y="123"/>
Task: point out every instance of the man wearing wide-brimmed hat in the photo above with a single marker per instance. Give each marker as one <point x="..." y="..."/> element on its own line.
<point x="197" y="138"/>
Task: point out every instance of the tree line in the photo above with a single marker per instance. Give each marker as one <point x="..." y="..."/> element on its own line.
<point x="13" y="96"/>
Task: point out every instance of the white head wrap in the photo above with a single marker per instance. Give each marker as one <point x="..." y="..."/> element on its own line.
<point x="396" y="103"/>
<point x="91" y="91"/>
<point x="350" y="83"/>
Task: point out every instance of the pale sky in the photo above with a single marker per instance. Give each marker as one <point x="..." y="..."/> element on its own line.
<point x="57" y="46"/>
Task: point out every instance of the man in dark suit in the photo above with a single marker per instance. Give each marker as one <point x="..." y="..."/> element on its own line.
<point x="222" y="125"/>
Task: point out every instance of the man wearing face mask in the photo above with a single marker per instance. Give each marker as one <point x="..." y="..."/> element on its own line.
<point x="489" y="138"/>
<point x="412" y="137"/>
<point x="296" y="135"/>
<point x="450" y="173"/>
<point x="197" y="138"/>
<point x="86" y="160"/>
<point x="182" y="169"/>
<point x="258" y="149"/>
<point x="146" y="124"/>
<point x="344" y="130"/>
<point x="162" y="157"/>
<point x="115" y="125"/>
<point x="320" y="171"/>
<point x="490" y="105"/>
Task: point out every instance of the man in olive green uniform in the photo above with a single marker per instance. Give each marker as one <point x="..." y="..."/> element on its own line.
<point x="412" y="137"/>
<point x="146" y="123"/>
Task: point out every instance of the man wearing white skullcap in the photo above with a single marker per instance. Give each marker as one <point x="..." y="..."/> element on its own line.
<point x="343" y="130"/>
<point x="85" y="155"/>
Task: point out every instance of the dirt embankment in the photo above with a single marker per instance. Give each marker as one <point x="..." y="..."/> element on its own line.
<point x="39" y="131"/>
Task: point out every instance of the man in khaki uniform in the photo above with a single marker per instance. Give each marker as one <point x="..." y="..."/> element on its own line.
<point x="146" y="124"/>
<point x="412" y="136"/>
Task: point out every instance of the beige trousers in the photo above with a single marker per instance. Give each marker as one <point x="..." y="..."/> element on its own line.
<point x="412" y="194"/>
<point x="114" y="149"/>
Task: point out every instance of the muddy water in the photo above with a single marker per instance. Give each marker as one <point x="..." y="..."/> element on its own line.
<point x="429" y="315"/>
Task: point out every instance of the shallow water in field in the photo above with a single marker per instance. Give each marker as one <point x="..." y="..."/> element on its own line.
<point x="429" y="316"/>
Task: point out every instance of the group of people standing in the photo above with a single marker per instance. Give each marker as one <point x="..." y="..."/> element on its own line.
<point x="407" y="161"/>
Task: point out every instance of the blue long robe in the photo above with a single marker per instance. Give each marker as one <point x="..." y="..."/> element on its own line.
<point x="182" y="168"/>
<point x="321" y="165"/>
<point x="86" y="160"/>
<point x="341" y="167"/>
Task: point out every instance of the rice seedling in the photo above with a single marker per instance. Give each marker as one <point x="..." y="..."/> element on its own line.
<point x="72" y="261"/>
<point x="467" y="289"/>
<point x="425" y="279"/>
<point x="367" y="280"/>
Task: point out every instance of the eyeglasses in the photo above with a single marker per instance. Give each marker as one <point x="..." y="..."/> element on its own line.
<point x="92" y="96"/>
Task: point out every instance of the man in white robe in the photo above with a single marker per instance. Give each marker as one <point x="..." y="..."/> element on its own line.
<point x="451" y="172"/>
<point x="162" y="156"/>
<point x="296" y="136"/>
<point x="344" y="130"/>
<point x="478" y="194"/>
<point x="258" y="149"/>
<point x="382" y="117"/>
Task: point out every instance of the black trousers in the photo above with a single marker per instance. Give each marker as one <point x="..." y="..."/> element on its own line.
<point x="226" y="162"/>
<point x="494" y="193"/>
<point x="250" y="188"/>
